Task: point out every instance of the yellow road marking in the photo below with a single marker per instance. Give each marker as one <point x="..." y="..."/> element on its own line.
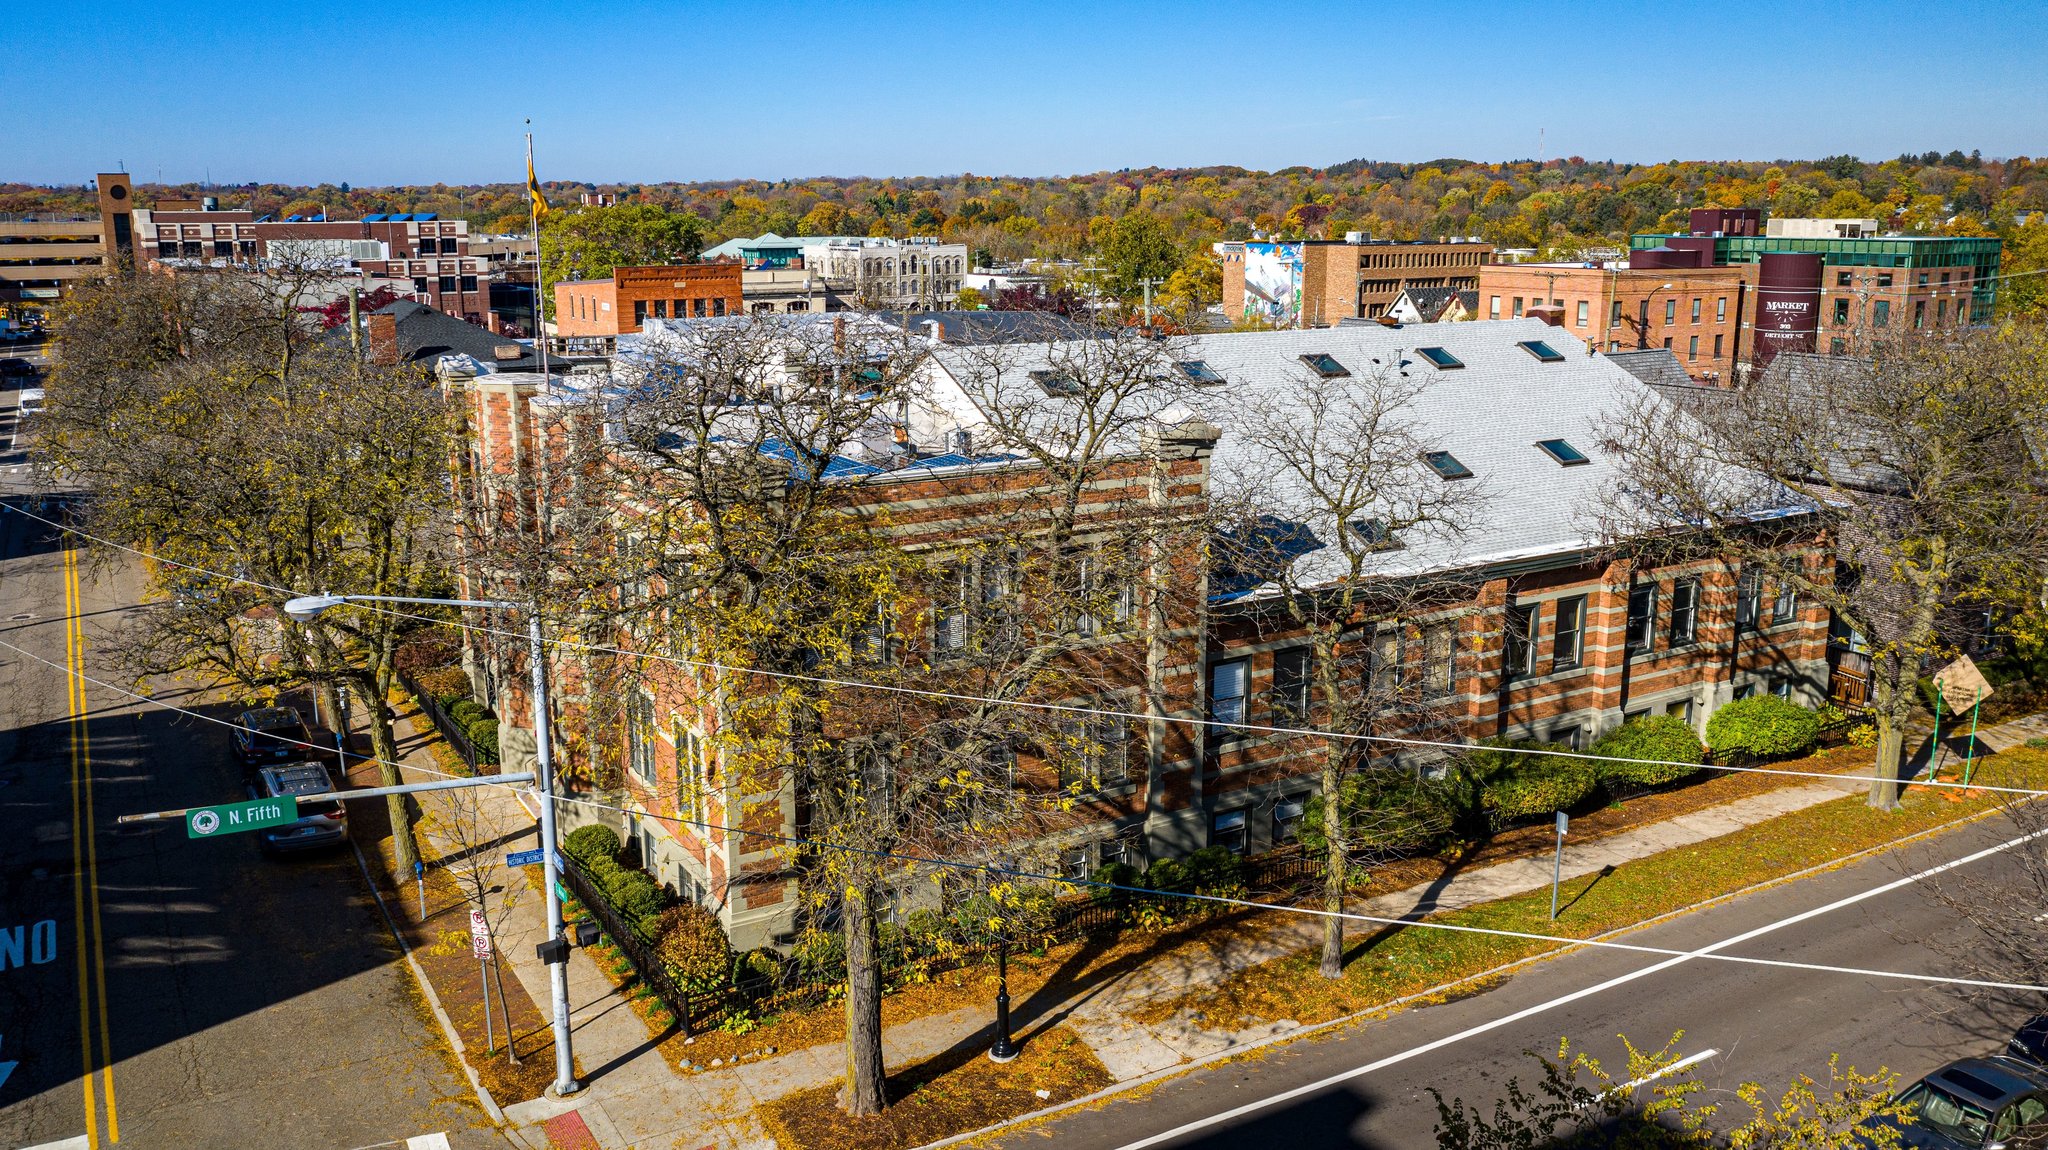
<point x="79" y="829"/>
<point x="89" y="884"/>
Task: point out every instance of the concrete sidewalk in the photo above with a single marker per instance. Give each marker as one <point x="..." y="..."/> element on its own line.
<point x="634" y="1099"/>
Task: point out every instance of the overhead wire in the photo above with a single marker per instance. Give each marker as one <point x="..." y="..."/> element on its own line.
<point x="1073" y="708"/>
<point x="1018" y="873"/>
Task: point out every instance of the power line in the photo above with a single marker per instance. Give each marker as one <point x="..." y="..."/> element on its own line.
<point x="1067" y="708"/>
<point x="1220" y="900"/>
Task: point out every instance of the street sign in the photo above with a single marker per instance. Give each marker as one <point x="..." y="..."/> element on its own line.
<point x="525" y="858"/>
<point x="1962" y="684"/>
<point x="228" y="818"/>
<point x="1564" y="822"/>
<point x="479" y="935"/>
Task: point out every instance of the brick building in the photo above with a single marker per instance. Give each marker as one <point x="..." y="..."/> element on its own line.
<point x="1872" y="286"/>
<point x="1531" y="628"/>
<point x="1700" y="313"/>
<point x="619" y="304"/>
<point x="1315" y="283"/>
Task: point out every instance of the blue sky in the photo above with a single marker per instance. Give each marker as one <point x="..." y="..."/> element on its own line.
<point x="624" y="91"/>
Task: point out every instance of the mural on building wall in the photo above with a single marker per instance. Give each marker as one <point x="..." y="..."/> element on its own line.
<point x="1272" y="282"/>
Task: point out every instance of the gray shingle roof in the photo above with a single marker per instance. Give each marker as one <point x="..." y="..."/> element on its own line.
<point x="1489" y="413"/>
<point x="425" y="335"/>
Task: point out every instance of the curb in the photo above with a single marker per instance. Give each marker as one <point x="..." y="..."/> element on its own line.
<point x="419" y="977"/>
<point x="1109" y="1093"/>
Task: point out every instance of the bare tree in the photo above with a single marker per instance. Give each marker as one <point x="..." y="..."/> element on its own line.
<point x="1916" y="472"/>
<point x="1341" y="529"/>
<point x="219" y="430"/>
<point x="476" y="826"/>
<point x="758" y="510"/>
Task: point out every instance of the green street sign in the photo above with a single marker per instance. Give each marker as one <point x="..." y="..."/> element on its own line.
<point x="206" y="822"/>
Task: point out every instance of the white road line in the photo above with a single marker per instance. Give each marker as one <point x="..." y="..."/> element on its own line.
<point x="427" y="1142"/>
<point x="1574" y="996"/>
<point x="79" y="1143"/>
<point x="1681" y="1064"/>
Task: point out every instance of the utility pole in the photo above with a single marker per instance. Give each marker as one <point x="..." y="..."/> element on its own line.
<point x="1146" y="285"/>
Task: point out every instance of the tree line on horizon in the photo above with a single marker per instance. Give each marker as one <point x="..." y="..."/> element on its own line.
<point x="1560" y="208"/>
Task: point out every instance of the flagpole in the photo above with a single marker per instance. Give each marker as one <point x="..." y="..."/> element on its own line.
<point x="540" y="322"/>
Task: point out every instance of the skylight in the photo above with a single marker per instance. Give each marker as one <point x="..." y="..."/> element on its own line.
<point x="1446" y="465"/>
<point x="1375" y="534"/>
<point x="1563" y="452"/>
<point x="1325" y="365"/>
<point x="1057" y="383"/>
<point x="1199" y="372"/>
<point x="1438" y="356"/>
<point x="1541" y="350"/>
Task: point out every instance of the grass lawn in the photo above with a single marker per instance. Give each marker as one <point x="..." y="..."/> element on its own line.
<point x="956" y="1091"/>
<point x="1388" y="963"/>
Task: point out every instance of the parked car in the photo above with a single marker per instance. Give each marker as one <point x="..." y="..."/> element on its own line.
<point x="2031" y="1042"/>
<point x="270" y="735"/>
<point x="320" y="825"/>
<point x="18" y="368"/>
<point x="29" y="402"/>
<point x="1975" y="1104"/>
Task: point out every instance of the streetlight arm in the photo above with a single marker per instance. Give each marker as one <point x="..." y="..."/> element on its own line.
<point x="501" y="604"/>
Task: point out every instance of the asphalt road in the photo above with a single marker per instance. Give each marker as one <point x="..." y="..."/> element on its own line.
<point x="1767" y="1023"/>
<point x="188" y="993"/>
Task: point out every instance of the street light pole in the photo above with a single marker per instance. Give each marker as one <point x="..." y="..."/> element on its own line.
<point x="555" y="951"/>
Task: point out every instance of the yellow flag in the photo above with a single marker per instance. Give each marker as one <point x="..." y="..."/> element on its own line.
<point x="540" y="202"/>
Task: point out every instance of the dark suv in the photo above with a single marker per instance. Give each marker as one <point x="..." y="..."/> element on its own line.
<point x="2031" y="1042"/>
<point x="271" y="735"/>
<point x="320" y="825"/>
<point x="1977" y="1104"/>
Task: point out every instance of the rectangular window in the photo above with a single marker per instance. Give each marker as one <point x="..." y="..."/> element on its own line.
<point x="1717" y="346"/>
<point x="468" y="283"/>
<point x="1841" y="313"/>
<point x="1884" y="279"/>
<point x="1562" y="451"/>
<point x="1695" y="309"/>
<point x="1515" y="309"/>
<point x="1228" y="682"/>
<point x="718" y="306"/>
<point x="1518" y="655"/>
<point x="1940" y="312"/>
<point x="1781" y="686"/>
<point x="1446" y="465"/>
<point x="1383" y="667"/>
<point x="639" y="311"/>
<point x="1923" y="279"/>
<point x="1841" y="279"/>
<point x="1785" y="605"/>
<point x="660" y="309"/>
<point x="1445" y="361"/>
<point x="1325" y="365"/>
<point x="1667" y="343"/>
<point x="1097" y="754"/>
<point x="1227" y="830"/>
<point x="640" y="737"/>
<point x="1440" y="659"/>
<point x="697" y="307"/>
<point x="1685" y="605"/>
<point x="1493" y="307"/>
<point x="1199" y="372"/>
<point x="1837" y="345"/>
<point x="1614" y="314"/>
<point x="1584" y="309"/>
<point x="1536" y="347"/>
<point x="1721" y="310"/>
<point x="949" y="616"/>
<point x="1291" y="684"/>
<point x="1881" y="313"/>
<point x="1692" y="348"/>
<point x="448" y="285"/>
<point x="1287" y="819"/>
<point x="1749" y="592"/>
<point x="1642" y="618"/>
<point x="1568" y="639"/>
<point x="1670" y="312"/>
<point x="1919" y="313"/>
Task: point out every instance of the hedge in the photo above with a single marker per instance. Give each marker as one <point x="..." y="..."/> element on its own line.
<point x="586" y="844"/>
<point x="1762" y="727"/>
<point x="1641" y="750"/>
<point x="1519" y="786"/>
<point x="468" y="711"/>
<point x="483" y="739"/>
<point x="1385" y="809"/>
<point x="692" y="942"/>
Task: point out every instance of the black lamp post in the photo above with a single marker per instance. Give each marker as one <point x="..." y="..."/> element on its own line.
<point x="1004" y="1050"/>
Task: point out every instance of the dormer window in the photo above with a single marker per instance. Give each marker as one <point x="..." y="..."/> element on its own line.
<point x="1057" y="384"/>
<point x="1324" y="364"/>
<point x="1439" y="358"/>
<point x="1446" y="465"/>
<point x="1563" y="452"/>
<point x="1200" y="373"/>
<point x="1541" y="350"/>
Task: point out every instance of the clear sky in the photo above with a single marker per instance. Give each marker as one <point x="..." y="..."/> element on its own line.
<point x="410" y="92"/>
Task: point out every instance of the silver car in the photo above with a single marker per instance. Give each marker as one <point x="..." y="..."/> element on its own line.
<point x="321" y="824"/>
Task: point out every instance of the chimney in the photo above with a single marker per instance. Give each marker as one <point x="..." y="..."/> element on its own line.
<point x="1549" y="313"/>
<point x="935" y="331"/>
<point x="383" y="337"/>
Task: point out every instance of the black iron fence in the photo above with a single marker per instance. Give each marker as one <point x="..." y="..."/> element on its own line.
<point x="449" y="728"/>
